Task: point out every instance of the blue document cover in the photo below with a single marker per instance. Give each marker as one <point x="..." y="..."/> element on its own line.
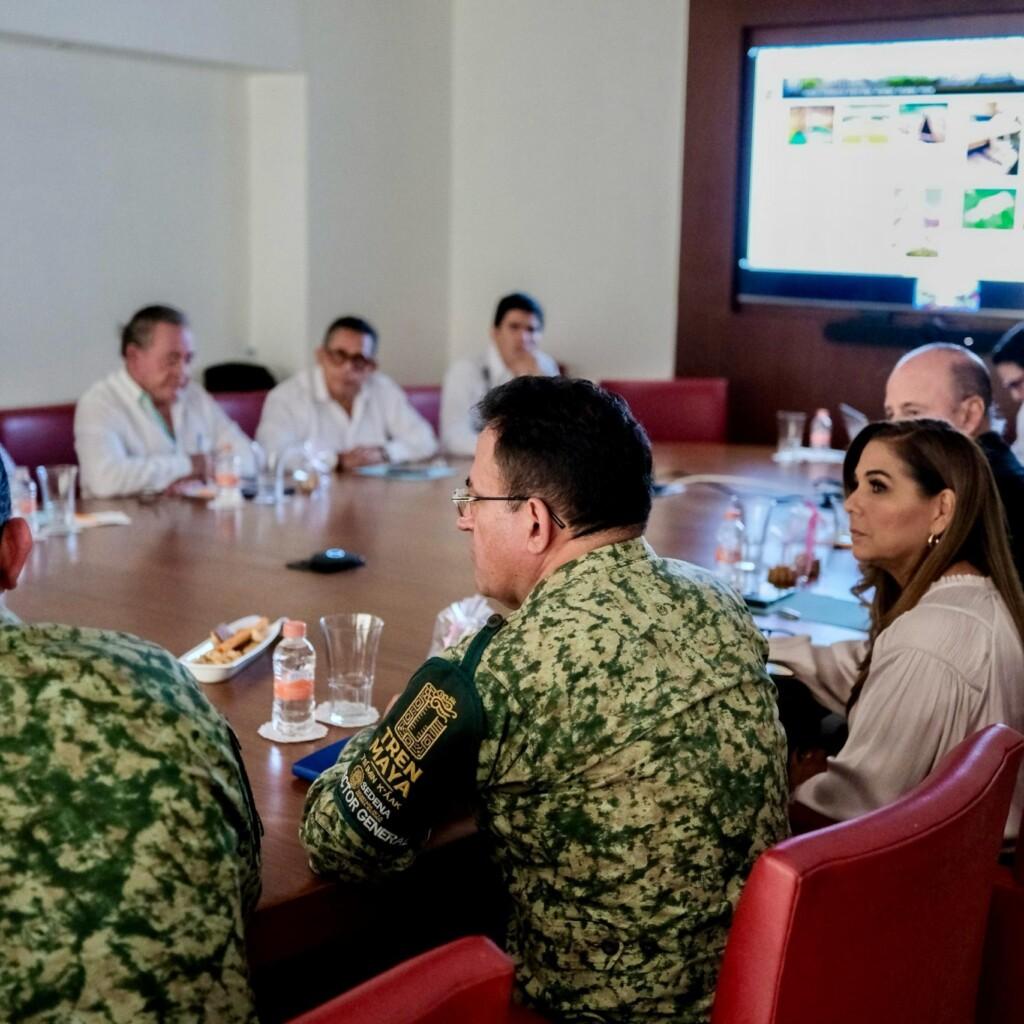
<point x="313" y="765"/>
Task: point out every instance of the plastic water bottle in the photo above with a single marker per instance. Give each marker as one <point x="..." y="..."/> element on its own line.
<point x="729" y="548"/>
<point x="821" y="429"/>
<point x="294" y="682"/>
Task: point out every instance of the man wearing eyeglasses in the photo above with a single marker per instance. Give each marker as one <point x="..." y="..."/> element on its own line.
<point x="616" y="737"/>
<point x="345" y="407"/>
<point x="148" y="426"/>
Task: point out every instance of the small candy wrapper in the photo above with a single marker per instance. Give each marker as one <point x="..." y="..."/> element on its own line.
<point x="459" y="620"/>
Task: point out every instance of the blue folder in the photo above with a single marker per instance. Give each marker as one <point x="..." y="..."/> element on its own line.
<point x="313" y="765"/>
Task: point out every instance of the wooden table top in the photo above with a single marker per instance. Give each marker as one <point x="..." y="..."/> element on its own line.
<point x="180" y="568"/>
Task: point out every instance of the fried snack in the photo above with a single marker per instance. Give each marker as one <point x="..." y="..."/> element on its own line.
<point x="240" y="643"/>
<point x="782" y="576"/>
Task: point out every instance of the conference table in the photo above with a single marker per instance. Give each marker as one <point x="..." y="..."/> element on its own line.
<point x="180" y="568"/>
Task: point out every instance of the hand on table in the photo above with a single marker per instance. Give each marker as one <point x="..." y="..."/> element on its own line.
<point x="200" y="472"/>
<point x="364" y="455"/>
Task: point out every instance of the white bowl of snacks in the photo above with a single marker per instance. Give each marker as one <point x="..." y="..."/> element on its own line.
<point x="230" y="647"/>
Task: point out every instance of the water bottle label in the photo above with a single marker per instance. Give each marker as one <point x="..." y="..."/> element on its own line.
<point x="293" y="689"/>
<point x="727" y="555"/>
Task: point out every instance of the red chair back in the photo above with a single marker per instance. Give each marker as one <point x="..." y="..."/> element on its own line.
<point x="1001" y="993"/>
<point x="426" y="400"/>
<point x="468" y="981"/>
<point x="881" y="918"/>
<point x="244" y="407"/>
<point x="42" y="435"/>
<point x="684" y="409"/>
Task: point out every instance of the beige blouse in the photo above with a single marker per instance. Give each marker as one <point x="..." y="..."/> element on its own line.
<point x="948" y="667"/>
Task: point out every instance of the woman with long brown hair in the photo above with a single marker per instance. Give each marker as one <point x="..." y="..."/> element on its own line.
<point x="945" y="652"/>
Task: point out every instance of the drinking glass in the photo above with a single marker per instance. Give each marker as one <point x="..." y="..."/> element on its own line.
<point x="62" y="481"/>
<point x="266" y="493"/>
<point x="227" y="475"/>
<point x="352" y="642"/>
<point x="791" y="432"/>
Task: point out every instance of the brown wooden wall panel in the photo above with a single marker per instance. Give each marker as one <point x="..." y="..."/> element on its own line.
<point x="774" y="357"/>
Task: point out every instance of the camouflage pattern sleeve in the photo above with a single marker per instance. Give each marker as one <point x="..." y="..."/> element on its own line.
<point x="129" y="846"/>
<point x="371" y="812"/>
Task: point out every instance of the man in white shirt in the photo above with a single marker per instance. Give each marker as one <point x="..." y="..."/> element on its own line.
<point x="148" y="426"/>
<point x="345" y="407"/>
<point x="514" y="352"/>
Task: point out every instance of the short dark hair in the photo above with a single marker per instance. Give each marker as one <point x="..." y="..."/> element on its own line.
<point x="351" y="323"/>
<point x="518" y="300"/>
<point x="139" y="330"/>
<point x="1010" y="347"/>
<point x="574" y="445"/>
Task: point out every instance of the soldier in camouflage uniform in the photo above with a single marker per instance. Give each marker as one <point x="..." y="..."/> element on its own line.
<point x="619" y="739"/>
<point x="129" y="843"/>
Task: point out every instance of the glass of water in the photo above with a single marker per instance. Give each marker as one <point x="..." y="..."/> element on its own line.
<point x="352" y="642"/>
<point x="63" y="481"/>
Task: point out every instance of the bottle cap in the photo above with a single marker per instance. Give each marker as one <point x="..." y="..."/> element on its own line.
<point x="293" y="628"/>
<point x="821" y="412"/>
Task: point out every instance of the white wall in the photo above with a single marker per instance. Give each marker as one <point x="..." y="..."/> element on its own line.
<point x="419" y="159"/>
<point x="379" y="172"/>
<point x="278" y="175"/>
<point x="566" y="179"/>
<point x="247" y="33"/>
<point x="122" y="182"/>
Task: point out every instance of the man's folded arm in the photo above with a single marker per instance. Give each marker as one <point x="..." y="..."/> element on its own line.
<point x="371" y="813"/>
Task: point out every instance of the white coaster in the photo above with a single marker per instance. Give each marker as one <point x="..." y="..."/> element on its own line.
<point x="314" y="732"/>
<point x="227" y="501"/>
<point x="323" y="714"/>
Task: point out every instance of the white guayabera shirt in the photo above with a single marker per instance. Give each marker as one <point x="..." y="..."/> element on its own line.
<point x="125" y="447"/>
<point x="301" y="410"/>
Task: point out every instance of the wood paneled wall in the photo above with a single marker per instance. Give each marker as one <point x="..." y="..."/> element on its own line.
<point x="774" y="357"/>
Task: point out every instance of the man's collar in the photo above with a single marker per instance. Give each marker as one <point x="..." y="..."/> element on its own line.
<point x="499" y="372"/>
<point x="320" y="392"/>
<point x="130" y="385"/>
<point x="602" y="560"/>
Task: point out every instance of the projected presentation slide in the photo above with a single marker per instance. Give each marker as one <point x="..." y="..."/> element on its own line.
<point x="898" y="158"/>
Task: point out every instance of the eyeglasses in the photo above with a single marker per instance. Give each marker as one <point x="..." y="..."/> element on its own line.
<point x="339" y="357"/>
<point x="463" y="499"/>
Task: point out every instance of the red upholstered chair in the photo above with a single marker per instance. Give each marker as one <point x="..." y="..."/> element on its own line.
<point x="426" y="400"/>
<point x="43" y="435"/>
<point x="1001" y="993"/>
<point x="244" y="407"/>
<point x="684" y="409"/>
<point x="880" y="919"/>
<point x="468" y="981"/>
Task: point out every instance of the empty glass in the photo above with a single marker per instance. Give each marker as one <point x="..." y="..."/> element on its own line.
<point x="61" y="483"/>
<point x="791" y="432"/>
<point x="352" y="642"/>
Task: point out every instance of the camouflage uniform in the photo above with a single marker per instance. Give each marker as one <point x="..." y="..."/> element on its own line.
<point x="129" y="843"/>
<point x="630" y="770"/>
